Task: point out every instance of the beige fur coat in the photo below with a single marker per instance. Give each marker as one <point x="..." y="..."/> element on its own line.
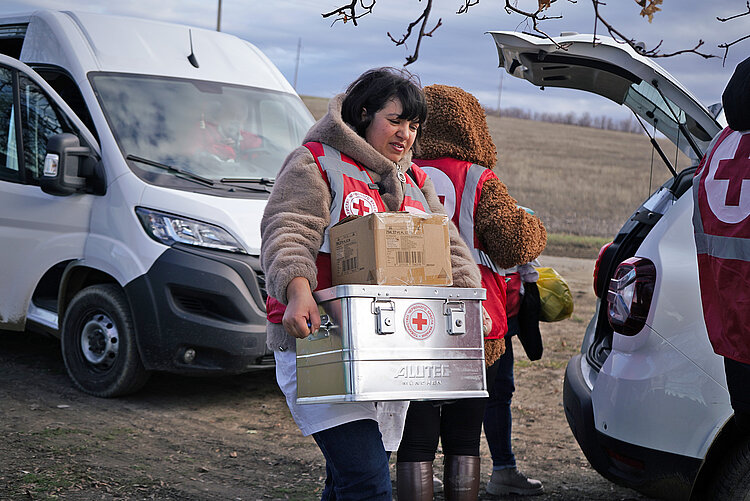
<point x="298" y="211"/>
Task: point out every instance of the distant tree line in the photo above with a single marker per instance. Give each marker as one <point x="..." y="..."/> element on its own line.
<point x="605" y="122"/>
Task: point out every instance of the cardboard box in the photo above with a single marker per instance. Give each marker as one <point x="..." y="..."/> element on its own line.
<point x="391" y="248"/>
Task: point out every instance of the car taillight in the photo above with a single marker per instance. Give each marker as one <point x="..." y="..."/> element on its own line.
<point x="629" y="295"/>
<point x="597" y="289"/>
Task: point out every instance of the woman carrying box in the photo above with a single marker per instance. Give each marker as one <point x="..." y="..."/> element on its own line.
<point x="354" y="159"/>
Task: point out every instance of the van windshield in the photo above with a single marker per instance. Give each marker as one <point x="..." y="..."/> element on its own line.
<point x="212" y="130"/>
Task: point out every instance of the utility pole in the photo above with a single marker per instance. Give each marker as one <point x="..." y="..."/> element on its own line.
<point x="296" y="66"/>
<point x="218" y="18"/>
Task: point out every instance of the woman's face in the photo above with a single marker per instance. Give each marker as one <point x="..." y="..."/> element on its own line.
<point x="390" y="135"/>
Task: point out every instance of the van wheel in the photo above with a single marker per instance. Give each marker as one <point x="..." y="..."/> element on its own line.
<point x="98" y="343"/>
<point x="733" y="480"/>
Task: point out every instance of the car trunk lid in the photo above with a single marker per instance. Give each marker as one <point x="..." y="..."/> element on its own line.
<point x="615" y="71"/>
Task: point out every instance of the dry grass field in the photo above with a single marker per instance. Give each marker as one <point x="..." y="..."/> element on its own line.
<point x="582" y="182"/>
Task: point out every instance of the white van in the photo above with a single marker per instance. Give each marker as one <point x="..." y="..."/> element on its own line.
<point x="130" y="203"/>
<point x="646" y="398"/>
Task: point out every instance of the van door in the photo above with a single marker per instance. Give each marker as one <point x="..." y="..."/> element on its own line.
<point x="38" y="232"/>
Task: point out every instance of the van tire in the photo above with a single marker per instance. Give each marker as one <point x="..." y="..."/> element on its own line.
<point x="732" y="483"/>
<point x="98" y="343"/>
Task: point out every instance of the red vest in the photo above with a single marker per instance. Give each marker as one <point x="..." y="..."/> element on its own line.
<point x="353" y="193"/>
<point x="459" y="185"/>
<point x="722" y="240"/>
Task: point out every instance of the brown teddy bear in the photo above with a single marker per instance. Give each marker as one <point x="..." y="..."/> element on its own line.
<point x="457" y="151"/>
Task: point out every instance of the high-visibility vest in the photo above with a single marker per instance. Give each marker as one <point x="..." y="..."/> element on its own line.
<point x="353" y="192"/>
<point x="721" y="196"/>
<point x="459" y="185"/>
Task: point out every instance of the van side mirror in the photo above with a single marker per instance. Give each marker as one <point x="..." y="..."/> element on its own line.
<point x="64" y="172"/>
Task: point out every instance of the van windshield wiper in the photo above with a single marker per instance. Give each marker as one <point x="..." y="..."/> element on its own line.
<point x="171" y="168"/>
<point x="266" y="181"/>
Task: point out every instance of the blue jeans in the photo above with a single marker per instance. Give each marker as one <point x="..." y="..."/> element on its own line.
<point x="497" y="415"/>
<point x="356" y="462"/>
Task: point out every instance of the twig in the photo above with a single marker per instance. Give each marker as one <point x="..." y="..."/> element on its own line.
<point x="619" y="37"/>
<point x="422" y="33"/>
<point x="535" y="19"/>
<point x="726" y="46"/>
<point x="725" y="19"/>
<point x="348" y="12"/>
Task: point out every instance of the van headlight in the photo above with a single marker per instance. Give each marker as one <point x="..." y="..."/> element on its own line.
<point x="169" y="229"/>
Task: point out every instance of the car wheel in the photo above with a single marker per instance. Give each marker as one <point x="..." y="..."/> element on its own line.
<point x="733" y="480"/>
<point x="98" y="343"/>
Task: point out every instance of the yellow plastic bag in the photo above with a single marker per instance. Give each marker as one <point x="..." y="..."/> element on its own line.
<point x="554" y="295"/>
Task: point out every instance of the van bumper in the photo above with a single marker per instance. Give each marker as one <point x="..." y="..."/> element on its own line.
<point x="655" y="473"/>
<point x="199" y="311"/>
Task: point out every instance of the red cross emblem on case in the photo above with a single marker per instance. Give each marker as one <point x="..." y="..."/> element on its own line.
<point x="359" y="204"/>
<point x="419" y="321"/>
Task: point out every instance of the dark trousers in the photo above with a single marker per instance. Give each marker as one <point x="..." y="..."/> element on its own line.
<point x="458" y="424"/>
<point x="356" y="462"/>
<point x="497" y="415"/>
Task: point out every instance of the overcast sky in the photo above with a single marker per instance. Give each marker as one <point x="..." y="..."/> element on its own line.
<point x="460" y="52"/>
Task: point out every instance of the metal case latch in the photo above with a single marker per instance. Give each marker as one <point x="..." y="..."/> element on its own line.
<point x="456" y="321"/>
<point x="385" y="316"/>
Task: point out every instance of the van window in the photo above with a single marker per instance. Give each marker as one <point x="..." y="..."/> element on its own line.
<point x="8" y="155"/>
<point x="69" y="91"/>
<point x="39" y="121"/>
<point x="214" y="130"/>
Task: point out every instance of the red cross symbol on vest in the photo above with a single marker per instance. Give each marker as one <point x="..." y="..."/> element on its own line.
<point x="728" y="168"/>
<point x="359" y="204"/>
<point x="361" y="208"/>
<point x="419" y="321"/>
<point x="735" y="170"/>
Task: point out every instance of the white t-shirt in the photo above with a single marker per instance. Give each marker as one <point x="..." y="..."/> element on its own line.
<point x="312" y="418"/>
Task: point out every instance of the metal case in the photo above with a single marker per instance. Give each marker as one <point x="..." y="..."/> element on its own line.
<point x="393" y="343"/>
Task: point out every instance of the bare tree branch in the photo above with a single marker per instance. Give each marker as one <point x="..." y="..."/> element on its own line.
<point x="617" y="35"/>
<point x="726" y="46"/>
<point x="725" y="19"/>
<point x="356" y="9"/>
<point x="348" y="12"/>
<point x="422" y="33"/>
<point x="535" y="17"/>
<point x="465" y="7"/>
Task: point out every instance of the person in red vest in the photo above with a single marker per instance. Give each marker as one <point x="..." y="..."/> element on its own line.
<point x="457" y="152"/>
<point x="721" y="221"/>
<point x="221" y="134"/>
<point x="352" y="161"/>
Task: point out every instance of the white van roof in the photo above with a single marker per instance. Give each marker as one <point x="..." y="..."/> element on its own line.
<point x="82" y="42"/>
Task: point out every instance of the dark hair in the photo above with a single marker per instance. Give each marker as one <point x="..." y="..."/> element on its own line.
<point x="372" y="91"/>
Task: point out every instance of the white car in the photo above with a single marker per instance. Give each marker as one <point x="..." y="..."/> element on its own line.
<point x="646" y="398"/>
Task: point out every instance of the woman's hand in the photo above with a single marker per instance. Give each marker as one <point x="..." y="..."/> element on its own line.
<point x="486" y="322"/>
<point x="301" y="308"/>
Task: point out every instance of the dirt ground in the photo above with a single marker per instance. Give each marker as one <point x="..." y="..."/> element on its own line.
<point x="232" y="438"/>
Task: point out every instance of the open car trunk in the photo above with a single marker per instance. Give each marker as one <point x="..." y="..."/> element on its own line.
<point x="617" y="72"/>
